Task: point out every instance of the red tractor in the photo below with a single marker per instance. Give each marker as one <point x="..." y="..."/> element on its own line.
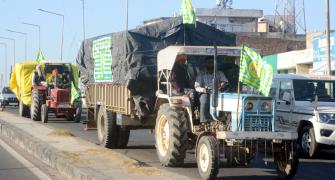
<point x="53" y="94"/>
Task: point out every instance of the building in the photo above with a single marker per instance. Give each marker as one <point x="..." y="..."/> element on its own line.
<point x="230" y="20"/>
<point x="308" y="61"/>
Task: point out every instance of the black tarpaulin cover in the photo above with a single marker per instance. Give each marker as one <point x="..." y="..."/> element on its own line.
<point x="134" y="52"/>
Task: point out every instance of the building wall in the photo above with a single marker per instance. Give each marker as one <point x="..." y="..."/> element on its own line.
<point x="269" y="46"/>
<point x="272" y="61"/>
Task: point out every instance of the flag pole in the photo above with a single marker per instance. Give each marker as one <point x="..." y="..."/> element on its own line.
<point x="238" y="102"/>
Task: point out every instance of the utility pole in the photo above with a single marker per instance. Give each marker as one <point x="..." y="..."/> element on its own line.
<point x="329" y="71"/>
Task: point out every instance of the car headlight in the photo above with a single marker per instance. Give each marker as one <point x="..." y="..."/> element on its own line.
<point x="265" y="107"/>
<point x="249" y="106"/>
<point x="326" y="117"/>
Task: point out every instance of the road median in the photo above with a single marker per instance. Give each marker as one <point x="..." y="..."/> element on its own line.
<point x="73" y="157"/>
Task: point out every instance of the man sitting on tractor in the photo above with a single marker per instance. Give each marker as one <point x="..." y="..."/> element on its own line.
<point x="203" y="85"/>
<point x="38" y="77"/>
<point x="60" y="80"/>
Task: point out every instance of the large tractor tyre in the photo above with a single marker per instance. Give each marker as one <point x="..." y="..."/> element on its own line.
<point x="307" y="142"/>
<point x="171" y="135"/>
<point x="208" y="159"/>
<point x="108" y="131"/>
<point x="35" y="108"/>
<point x="23" y="109"/>
<point x="123" y="137"/>
<point x="44" y="113"/>
<point x="286" y="160"/>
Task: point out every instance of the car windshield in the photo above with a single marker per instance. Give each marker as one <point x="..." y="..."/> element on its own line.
<point x="6" y="90"/>
<point x="306" y="90"/>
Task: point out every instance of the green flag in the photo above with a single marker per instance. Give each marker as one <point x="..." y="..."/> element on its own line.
<point x="74" y="93"/>
<point x="40" y="56"/>
<point x="254" y="71"/>
<point x="187" y="12"/>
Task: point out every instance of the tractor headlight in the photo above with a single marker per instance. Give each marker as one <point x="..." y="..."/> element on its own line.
<point x="249" y="106"/>
<point x="265" y="107"/>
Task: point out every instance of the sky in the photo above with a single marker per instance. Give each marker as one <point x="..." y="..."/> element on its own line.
<point x="101" y="17"/>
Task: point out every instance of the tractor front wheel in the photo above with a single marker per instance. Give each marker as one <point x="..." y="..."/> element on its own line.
<point x="286" y="160"/>
<point x="208" y="157"/>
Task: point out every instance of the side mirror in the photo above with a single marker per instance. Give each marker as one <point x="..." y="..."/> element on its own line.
<point x="287" y="98"/>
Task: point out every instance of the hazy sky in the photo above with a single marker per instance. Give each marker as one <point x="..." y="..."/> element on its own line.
<point x="105" y="16"/>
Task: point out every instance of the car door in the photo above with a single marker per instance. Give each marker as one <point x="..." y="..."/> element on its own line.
<point x="284" y="104"/>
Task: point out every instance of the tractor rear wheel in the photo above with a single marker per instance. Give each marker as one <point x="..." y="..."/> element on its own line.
<point x="44" y="113"/>
<point x="171" y="135"/>
<point x="35" y="108"/>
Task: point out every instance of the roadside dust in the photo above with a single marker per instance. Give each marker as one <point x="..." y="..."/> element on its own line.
<point x="132" y="166"/>
<point x="75" y="157"/>
<point x="61" y="132"/>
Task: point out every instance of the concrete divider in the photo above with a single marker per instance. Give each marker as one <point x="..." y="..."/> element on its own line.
<point x="73" y="157"/>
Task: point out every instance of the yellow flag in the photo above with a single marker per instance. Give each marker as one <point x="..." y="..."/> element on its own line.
<point x="187" y="12"/>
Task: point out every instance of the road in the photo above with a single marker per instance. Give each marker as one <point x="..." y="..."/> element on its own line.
<point x="141" y="147"/>
<point x="16" y="165"/>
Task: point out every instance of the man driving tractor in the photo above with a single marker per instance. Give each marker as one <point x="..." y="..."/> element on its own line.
<point x="203" y="84"/>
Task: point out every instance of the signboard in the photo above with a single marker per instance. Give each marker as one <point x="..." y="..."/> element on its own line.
<point x="320" y="54"/>
<point x="102" y="55"/>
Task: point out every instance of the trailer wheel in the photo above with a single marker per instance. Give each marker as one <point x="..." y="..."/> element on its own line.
<point x="2" y="107"/>
<point x="171" y="135"/>
<point x="108" y="131"/>
<point x="123" y="137"/>
<point x="23" y="109"/>
<point x="307" y="142"/>
<point x="286" y="160"/>
<point x="35" y="108"/>
<point x="44" y="113"/>
<point x="208" y="157"/>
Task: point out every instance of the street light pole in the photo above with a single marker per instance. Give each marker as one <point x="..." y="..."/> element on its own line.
<point x="39" y="32"/>
<point x="11" y="39"/>
<point x="84" y="33"/>
<point x="25" y="41"/>
<point x="328" y="39"/>
<point x="62" y="16"/>
<point x="6" y="75"/>
<point x="127" y="13"/>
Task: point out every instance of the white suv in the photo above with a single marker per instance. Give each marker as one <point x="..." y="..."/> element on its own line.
<point x="307" y="104"/>
<point x="7" y="98"/>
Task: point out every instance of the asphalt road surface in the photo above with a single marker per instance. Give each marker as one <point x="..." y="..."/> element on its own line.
<point x="141" y="147"/>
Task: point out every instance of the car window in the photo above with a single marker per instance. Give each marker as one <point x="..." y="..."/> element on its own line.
<point x="6" y="90"/>
<point x="285" y="86"/>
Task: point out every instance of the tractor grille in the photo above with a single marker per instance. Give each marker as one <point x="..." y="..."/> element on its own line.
<point x="257" y="123"/>
<point x="63" y="96"/>
<point x="12" y="100"/>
